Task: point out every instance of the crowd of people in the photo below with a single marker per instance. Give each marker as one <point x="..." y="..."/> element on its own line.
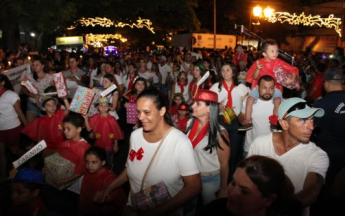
<point x="235" y="132"/>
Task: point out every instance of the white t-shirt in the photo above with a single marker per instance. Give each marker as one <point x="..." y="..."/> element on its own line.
<point x="297" y="162"/>
<point x="119" y="78"/>
<point x="206" y="161"/>
<point x="174" y="160"/>
<point x="164" y="71"/>
<point x="8" y="116"/>
<point x="237" y="93"/>
<point x="185" y="91"/>
<point x="261" y="125"/>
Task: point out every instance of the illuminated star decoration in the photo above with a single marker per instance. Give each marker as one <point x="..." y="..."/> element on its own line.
<point x="302" y="19"/>
<point x="98" y="136"/>
<point x="97" y="40"/>
<point x="105" y="22"/>
<point x="111" y="136"/>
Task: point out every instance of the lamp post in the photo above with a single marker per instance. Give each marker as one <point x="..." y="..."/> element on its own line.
<point x="214" y="25"/>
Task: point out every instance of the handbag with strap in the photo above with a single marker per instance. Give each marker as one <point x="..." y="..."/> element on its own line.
<point x="154" y="195"/>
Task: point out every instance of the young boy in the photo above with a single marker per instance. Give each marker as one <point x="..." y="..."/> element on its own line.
<point x="73" y="148"/>
<point x="181" y="118"/>
<point x="267" y="66"/>
<point x="105" y="128"/>
<point x="95" y="179"/>
<point x="48" y="127"/>
<point x="25" y="193"/>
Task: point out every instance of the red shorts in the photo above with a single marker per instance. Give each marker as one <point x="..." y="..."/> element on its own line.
<point x="11" y="137"/>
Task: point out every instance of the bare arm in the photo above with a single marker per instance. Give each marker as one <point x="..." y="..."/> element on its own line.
<point x="172" y="95"/>
<point x="223" y="157"/>
<point x="114" y="102"/>
<point x="188" y="192"/>
<point x="101" y="196"/>
<point x="66" y="106"/>
<point x="19" y="112"/>
<point x="311" y="188"/>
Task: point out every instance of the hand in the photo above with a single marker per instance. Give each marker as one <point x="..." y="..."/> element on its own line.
<point x="115" y="148"/>
<point x="221" y="107"/>
<point x="222" y="193"/>
<point x="59" y="181"/>
<point x="288" y="81"/>
<point x="258" y="65"/>
<point x="101" y="195"/>
<point x="126" y="105"/>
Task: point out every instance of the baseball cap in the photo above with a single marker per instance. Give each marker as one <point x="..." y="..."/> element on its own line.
<point x="334" y="74"/>
<point x="28" y="175"/>
<point x="298" y="107"/>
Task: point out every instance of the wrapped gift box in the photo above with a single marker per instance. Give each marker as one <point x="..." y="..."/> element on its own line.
<point x="60" y="85"/>
<point x="82" y="100"/>
<point x="282" y="76"/>
<point x="55" y="166"/>
<point x="131" y="113"/>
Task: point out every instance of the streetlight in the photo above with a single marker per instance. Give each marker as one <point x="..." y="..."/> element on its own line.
<point x="266" y="13"/>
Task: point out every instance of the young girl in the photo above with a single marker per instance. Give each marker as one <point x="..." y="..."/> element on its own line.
<point x="181" y="86"/>
<point x="177" y="100"/>
<point x="98" y="178"/>
<point x="113" y="97"/>
<point x="138" y="86"/>
<point x="181" y="118"/>
<point x="105" y="128"/>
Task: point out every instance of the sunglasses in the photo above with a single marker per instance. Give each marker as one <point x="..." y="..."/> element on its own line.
<point x="297" y="106"/>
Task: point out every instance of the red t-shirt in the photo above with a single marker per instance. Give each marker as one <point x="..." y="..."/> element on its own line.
<point x="268" y="67"/>
<point x="96" y="182"/>
<point x="47" y="128"/>
<point x="318" y="84"/>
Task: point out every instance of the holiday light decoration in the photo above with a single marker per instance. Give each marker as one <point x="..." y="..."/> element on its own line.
<point x="302" y="19"/>
<point x="97" y="40"/>
<point x="105" y="22"/>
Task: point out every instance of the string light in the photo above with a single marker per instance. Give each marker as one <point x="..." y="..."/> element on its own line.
<point x="105" y="22"/>
<point x="302" y="19"/>
<point x="97" y="40"/>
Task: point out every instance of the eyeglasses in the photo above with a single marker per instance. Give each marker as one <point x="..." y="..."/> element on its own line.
<point x="297" y="106"/>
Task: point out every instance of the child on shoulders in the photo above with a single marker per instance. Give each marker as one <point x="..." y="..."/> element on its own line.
<point x="270" y="65"/>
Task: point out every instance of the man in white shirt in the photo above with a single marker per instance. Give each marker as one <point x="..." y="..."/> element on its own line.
<point x="164" y="69"/>
<point x="304" y="163"/>
<point x="261" y="111"/>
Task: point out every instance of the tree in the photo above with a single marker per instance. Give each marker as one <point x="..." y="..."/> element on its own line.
<point x="40" y="16"/>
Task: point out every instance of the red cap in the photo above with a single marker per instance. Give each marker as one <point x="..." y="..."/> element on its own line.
<point x="206" y="95"/>
<point x="183" y="107"/>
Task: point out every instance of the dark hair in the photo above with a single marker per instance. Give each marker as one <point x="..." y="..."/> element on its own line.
<point x="97" y="151"/>
<point x="110" y="63"/>
<point x="321" y="67"/>
<point x="75" y="56"/>
<point x="234" y="75"/>
<point x="75" y="119"/>
<point x="269" y="176"/>
<point x="267" y="78"/>
<point x="50" y="89"/>
<point x="159" y="99"/>
<point x="135" y="71"/>
<point x="110" y="77"/>
<point x="267" y="43"/>
<point x="8" y="84"/>
<point x="214" y="129"/>
<point x="45" y="66"/>
<point x="134" y="90"/>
